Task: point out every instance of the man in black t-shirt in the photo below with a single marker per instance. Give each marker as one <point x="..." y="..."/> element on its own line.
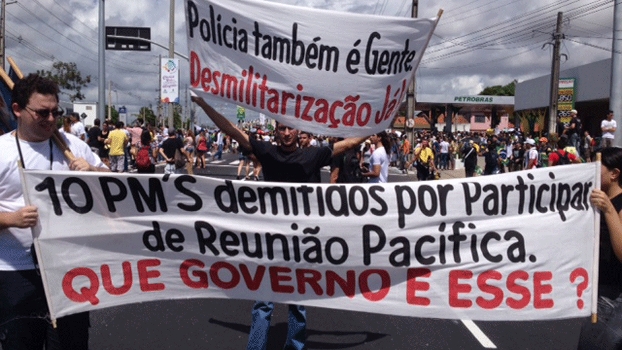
<point x="95" y="140"/>
<point x="168" y="149"/>
<point x="574" y="130"/>
<point x="284" y="162"/>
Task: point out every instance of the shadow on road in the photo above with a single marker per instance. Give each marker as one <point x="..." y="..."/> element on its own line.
<point x="337" y="339"/>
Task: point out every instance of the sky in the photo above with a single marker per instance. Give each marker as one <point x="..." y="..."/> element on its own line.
<point x="477" y="43"/>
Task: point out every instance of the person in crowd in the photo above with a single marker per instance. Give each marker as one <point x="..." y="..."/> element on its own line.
<point x="561" y="155"/>
<point x="104" y="151"/>
<point x="145" y="142"/>
<point x="491" y="160"/>
<point x="574" y="130"/>
<point x="135" y="132"/>
<point x="24" y="316"/>
<point x="95" y="140"/>
<point x="284" y="162"/>
<point x="531" y="152"/>
<point x="189" y="145"/>
<point x="378" y="171"/>
<point x="220" y="144"/>
<point x="66" y="127"/>
<point x="366" y="150"/>
<point x="202" y="148"/>
<point x="304" y="139"/>
<point x="77" y="127"/>
<point x="517" y="157"/>
<point x="608" y="127"/>
<point x="587" y="146"/>
<point x="469" y="155"/>
<point x="607" y="199"/>
<point x="443" y="147"/>
<point x="347" y="167"/>
<point x="245" y="164"/>
<point x="118" y="141"/>
<point x="167" y="150"/>
<point x="424" y="156"/>
<point x="406" y="152"/>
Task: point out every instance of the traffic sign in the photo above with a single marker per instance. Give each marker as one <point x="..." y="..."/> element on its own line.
<point x="128" y="38"/>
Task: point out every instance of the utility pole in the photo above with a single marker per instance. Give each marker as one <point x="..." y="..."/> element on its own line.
<point x="557" y="37"/>
<point x="3" y="34"/>
<point x="410" y="94"/>
<point x="171" y="54"/>
<point x="101" y="98"/>
<point x="110" y="100"/>
<point x="615" y="99"/>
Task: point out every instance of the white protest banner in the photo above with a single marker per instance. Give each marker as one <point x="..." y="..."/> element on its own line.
<point x="326" y="72"/>
<point x="515" y="246"/>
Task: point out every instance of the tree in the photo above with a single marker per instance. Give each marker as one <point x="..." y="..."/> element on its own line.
<point x="114" y="114"/>
<point x="148" y="116"/>
<point x="498" y="90"/>
<point x="68" y="77"/>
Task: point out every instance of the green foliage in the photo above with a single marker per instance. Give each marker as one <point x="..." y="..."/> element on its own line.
<point x="530" y="119"/>
<point x="114" y="114"/>
<point x="498" y="90"/>
<point x="68" y="78"/>
<point x="148" y="116"/>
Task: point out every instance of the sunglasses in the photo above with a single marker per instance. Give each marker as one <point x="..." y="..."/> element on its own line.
<point x="44" y="113"/>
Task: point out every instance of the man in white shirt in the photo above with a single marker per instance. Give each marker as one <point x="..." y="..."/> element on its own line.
<point x="23" y="309"/>
<point x="444" y="156"/>
<point x="531" y="157"/>
<point x="608" y="127"/>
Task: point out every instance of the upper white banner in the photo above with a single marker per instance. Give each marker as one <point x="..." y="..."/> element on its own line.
<point x="516" y="246"/>
<point x="326" y="72"/>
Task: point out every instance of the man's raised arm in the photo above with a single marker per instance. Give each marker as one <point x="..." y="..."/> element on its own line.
<point x="347" y="144"/>
<point x="224" y="124"/>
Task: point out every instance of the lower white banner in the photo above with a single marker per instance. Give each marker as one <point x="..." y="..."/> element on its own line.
<point x="515" y="246"/>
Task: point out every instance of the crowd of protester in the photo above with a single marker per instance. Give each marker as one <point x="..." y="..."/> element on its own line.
<point x="423" y="152"/>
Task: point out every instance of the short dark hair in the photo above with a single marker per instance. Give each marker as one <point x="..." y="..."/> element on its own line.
<point x="97" y="122"/>
<point x="33" y="83"/>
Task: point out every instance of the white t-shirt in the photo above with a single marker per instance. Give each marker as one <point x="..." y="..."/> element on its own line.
<point x="379" y="157"/>
<point x="533" y="154"/>
<point x="77" y="129"/>
<point x="15" y="242"/>
<point x="444" y="146"/>
<point x="608" y="124"/>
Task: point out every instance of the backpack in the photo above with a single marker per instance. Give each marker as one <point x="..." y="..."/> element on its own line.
<point x="143" y="159"/>
<point x="351" y="171"/>
<point x="563" y="159"/>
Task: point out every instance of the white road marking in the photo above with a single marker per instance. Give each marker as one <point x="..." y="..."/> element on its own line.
<point x="478" y="334"/>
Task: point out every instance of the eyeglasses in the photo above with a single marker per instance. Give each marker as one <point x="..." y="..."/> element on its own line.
<point x="44" y="113"/>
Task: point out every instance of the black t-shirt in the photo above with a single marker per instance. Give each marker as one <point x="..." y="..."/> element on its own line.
<point x="609" y="267"/>
<point x="302" y="165"/>
<point x="170" y="145"/>
<point x="94" y="133"/>
<point x="577" y="126"/>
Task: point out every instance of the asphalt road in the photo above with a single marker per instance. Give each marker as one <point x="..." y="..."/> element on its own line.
<point x="224" y="324"/>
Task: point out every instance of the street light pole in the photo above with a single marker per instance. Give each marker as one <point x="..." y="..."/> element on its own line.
<point x="102" y="64"/>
